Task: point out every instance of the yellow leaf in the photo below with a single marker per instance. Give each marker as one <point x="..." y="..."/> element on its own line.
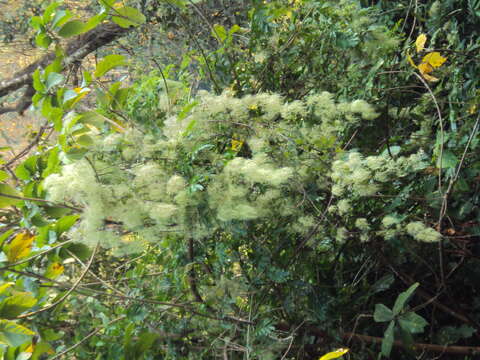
<point x="54" y="270"/>
<point x="20" y="246"/>
<point x="409" y="58"/>
<point x="425" y="68"/>
<point x="334" y="354"/>
<point x="5" y="286"/>
<point x="236" y="145"/>
<point x="420" y="42"/>
<point x="29" y="349"/>
<point x="430" y="77"/>
<point x="434" y="59"/>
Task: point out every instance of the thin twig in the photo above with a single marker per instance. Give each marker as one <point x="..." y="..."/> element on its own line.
<point x="94" y="332"/>
<point x="59" y="301"/>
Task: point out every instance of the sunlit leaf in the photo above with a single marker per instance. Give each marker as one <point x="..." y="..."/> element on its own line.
<point x="425" y="68"/>
<point x="434" y="59"/>
<point x="236" y="145"/>
<point x="20" y="246"/>
<point x="5" y="286"/>
<point x="54" y="270"/>
<point x="420" y="42"/>
<point x="334" y="354"/>
<point x="72" y="28"/>
<point x="128" y="16"/>
<point x="16" y="304"/>
<point x="108" y="63"/>
<point x="13" y="334"/>
<point x="5" y="200"/>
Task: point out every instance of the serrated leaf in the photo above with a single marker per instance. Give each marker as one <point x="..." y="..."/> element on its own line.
<point x="13" y="334"/>
<point x="127" y="16"/>
<point x="16" y="304"/>
<point x="420" y="42"/>
<point x="334" y="354"/>
<point x="412" y="322"/>
<point x="403" y="298"/>
<point x="108" y="63"/>
<point x="382" y="313"/>
<point x="72" y="28"/>
<point x="387" y="342"/>
<point x="19" y="247"/>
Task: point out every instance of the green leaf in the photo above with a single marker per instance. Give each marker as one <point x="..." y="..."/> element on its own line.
<point x="3" y="175"/>
<point x="407" y="340"/>
<point x="128" y="16"/>
<point x="43" y="40"/>
<point x="387" y="342"/>
<point x="403" y="298"/>
<point x="382" y="313"/>
<point x="40" y="348"/>
<point x="107" y="3"/>
<point x="5" y="236"/>
<point x="60" y="18"/>
<point x="36" y="22"/>
<point x="22" y="172"/>
<point x="108" y="63"/>
<point x="13" y="334"/>
<point x="145" y="342"/>
<point x="6" y="201"/>
<point x="49" y="12"/>
<point x="449" y="160"/>
<point x="94" y="21"/>
<point x="65" y="223"/>
<point x="87" y="78"/>
<point x="16" y="304"/>
<point x="383" y="283"/>
<point x="54" y="79"/>
<point x="219" y="32"/>
<point x="37" y="82"/>
<point x="72" y="28"/>
<point x="69" y="95"/>
<point x="85" y="141"/>
<point x="412" y="322"/>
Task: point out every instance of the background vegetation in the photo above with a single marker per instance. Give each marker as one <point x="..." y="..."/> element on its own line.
<point x="242" y="180"/>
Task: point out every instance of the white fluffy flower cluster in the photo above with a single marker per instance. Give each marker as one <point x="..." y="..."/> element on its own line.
<point x="359" y="176"/>
<point x="186" y="176"/>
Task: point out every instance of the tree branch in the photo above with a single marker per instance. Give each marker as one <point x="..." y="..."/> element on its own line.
<point x="75" y="51"/>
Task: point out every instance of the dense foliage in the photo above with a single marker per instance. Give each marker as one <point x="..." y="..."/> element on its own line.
<point x="285" y="179"/>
